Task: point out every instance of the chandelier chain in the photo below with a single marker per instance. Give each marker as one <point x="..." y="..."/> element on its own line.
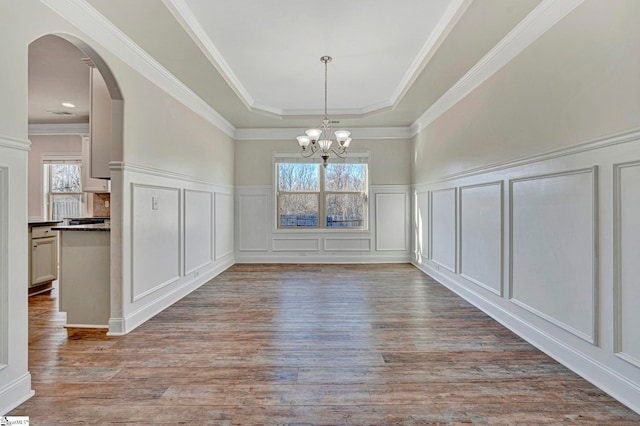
<point x="325" y="89"/>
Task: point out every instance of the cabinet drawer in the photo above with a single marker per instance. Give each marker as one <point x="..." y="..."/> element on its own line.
<point x="42" y="231"/>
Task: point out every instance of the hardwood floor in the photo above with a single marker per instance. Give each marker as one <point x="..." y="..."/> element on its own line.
<point x="306" y="344"/>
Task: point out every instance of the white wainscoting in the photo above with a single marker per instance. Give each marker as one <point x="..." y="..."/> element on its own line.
<point x="391" y="212"/>
<point x="347" y="244"/>
<point x="4" y="263"/>
<point x="627" y="261"/>
<point x="549" y="246"/>
<point x="15" y="379"/>
<point x="553" y="248"/>
<point x="253" y="223"/>
<point x="296" y="244"/>
<point x="421" y="225"/>
<point x="224" y="225"/>
<point x="443" y="228"/>
<point x="155" y="239"/>
<point x="169" y="248"/>
<point x="480" y="243"/>
<point x="198" y="230"/>
<point x="385" y="240"/>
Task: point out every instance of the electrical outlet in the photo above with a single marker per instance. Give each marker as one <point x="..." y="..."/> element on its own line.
<point x="154" y="203"/>
<point x="106" y="204"/>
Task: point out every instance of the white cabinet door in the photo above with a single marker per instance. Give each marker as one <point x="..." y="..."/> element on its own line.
<point x="90" y="184"/>
<point x="100" y="125"/>
<point x="44" y="260"/>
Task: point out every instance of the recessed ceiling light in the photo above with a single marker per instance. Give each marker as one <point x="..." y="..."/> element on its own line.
<point x="68" y="105"/>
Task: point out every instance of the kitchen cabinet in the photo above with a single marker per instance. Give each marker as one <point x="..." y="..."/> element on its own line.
<point x="90" y="184"/>
<point x="100" y="127"/>
<point x="43" y="256"/>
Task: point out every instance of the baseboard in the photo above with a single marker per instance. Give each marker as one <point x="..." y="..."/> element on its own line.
<point x="15" y="393"/>
<point x="122" y="326"/>
<point x="600" y="375"/>
<point x="85" y="326"/>
<point x="337" y="258"/>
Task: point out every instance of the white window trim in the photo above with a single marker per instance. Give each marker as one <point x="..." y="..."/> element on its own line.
<point x="295" y="157"/>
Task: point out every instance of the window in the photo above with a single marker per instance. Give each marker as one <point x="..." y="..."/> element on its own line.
<point x="312" y="196"/>
<point x="63" y="190"/>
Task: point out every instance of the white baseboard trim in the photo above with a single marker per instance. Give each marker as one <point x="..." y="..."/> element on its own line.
<point x="600" y="375"/>
<point x="85" y="326"/>
<point x="338" y="257"/>
<point x="122" y="326"/>
<point x="15" y="393"/>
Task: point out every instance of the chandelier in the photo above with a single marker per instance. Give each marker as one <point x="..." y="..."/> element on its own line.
<point x="319" y="140"/>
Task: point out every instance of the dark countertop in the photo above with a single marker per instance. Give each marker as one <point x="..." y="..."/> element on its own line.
<point x="104" y="227"/>
<point x="44" y="222"/>
<point x="87" y="217"/>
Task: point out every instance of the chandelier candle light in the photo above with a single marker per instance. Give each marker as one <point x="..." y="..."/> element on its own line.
<point x="319" y="140"/>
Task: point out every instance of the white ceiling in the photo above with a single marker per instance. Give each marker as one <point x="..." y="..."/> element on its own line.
<point x="269" y="52"/>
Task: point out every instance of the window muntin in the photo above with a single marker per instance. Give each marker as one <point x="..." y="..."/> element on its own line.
<point x="63" y="189"/>
<point x="312" y="196"/>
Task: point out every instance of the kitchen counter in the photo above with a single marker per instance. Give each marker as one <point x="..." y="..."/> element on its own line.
<point x="85" y="285"/>
<point x="44" y="222"/>
<point x="104" y="227"/>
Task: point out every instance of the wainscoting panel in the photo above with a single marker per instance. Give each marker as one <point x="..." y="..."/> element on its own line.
<point x="253" y="226"/>
<point x="570" y="246"/>
<point x="347" y="244"/>
<point x="296" y="244"/>
<point x="391" y="227"/>
<point x="481" y="235"/>
<point x="155" y="219"/>
<point x="198" y="229"/>
<point x="422" y="224"/>
<point x="443" y="228"/>
<point x="386" y="239"/>
<point x="223" y="225"/>
<point x="4" y="264"/>
<point x="553" y="243"/>
<point x="627" y="261"/>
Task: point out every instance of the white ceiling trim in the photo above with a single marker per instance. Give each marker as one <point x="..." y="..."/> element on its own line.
<point x="51" y="129"/>
<point x="86" y="18"/>
<point x="190" y="23"/>
<point x="359" y="133"/>
<point x="448" y="20"/>
<point x="534" y="25"/>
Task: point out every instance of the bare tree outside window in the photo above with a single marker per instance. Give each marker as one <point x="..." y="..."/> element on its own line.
<point x="311" y="196"/>
<point x="65" y="196"/>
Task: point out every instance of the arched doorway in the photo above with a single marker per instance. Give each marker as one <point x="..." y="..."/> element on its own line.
<point x="106" y="144"/>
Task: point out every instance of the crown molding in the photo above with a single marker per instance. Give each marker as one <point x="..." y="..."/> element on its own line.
<point x="534" y="25"/>
<point x="446" y="23"/>
<point x="15" y="143"/>
<point x="191" y="25"/>
<point x="54" y="129"/>
<point x="183" y="14"/>
<point x="87" y="19"/>
<point x="359" y="133"/>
